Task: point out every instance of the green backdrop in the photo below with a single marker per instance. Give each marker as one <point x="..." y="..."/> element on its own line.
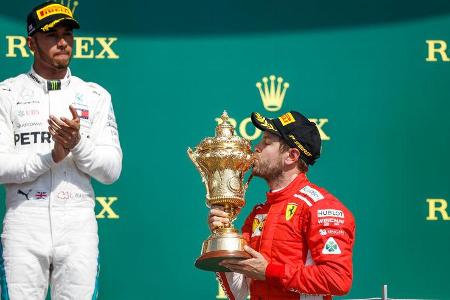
<point x="173" y="67"/>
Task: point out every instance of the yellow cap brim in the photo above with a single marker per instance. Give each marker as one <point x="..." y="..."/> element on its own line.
<point x="52" y="24"/>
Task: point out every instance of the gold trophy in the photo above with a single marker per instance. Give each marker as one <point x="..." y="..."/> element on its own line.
<point x="222" y="162"/>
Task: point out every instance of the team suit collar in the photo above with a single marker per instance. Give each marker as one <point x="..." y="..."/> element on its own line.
<point x="287" y="192"/>
<point x="50" y="85"/>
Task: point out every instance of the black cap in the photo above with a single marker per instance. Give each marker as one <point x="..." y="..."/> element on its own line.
<point x="296" y="130"/>
<point x="46" y="15"/>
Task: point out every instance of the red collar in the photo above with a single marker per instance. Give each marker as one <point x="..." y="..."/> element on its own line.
<point x="286" y="193"/>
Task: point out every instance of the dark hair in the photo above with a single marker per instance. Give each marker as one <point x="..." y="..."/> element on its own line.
<point x="301" y="165"/>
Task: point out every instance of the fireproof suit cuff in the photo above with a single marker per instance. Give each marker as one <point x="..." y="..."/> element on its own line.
<point x="82" y="151"/>
<point x="103" y="163"/>
<point x="47" y="160"/>
<point x="274" y="273"/>
<point x="20" y="168"/>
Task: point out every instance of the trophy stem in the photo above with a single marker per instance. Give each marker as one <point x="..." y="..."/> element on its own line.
<point x="225" y="231"/>
<point x="232" y="212"/>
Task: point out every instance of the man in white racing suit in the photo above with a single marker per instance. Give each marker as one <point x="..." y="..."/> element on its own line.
<point x="56" y="132"/>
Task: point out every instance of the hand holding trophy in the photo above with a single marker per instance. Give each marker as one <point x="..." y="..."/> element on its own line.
<point x="222" y="162"/>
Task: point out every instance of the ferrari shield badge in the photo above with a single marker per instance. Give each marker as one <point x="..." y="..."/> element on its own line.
<point x="290" y="210"/>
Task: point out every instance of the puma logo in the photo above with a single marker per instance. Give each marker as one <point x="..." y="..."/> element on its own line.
<point x="20" y="192"/>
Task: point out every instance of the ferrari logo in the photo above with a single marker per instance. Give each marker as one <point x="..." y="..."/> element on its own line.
<point x="290" y="210"/>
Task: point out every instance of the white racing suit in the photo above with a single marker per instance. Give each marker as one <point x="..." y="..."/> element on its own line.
<point x="49" y="230"/>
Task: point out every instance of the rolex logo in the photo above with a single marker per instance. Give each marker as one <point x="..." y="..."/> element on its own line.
<point x="70" y="5"/>
<point x="272" y="94"/>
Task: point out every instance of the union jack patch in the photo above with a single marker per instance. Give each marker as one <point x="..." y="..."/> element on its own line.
<point x="41" y="195"/>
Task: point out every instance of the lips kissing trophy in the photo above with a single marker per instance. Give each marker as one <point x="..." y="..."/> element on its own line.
<point x="222" y="162"/>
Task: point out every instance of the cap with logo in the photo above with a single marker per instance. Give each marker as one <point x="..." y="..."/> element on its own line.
<point x="296" y="130"/>
<point x="46" y="15"/>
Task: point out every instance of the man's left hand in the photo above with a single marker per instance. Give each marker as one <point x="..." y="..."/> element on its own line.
<point x="254" y="267"/>
<point x="65" y="131"/>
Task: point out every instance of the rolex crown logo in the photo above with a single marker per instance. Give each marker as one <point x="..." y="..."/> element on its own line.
<point x="271" y="95"/>
<point x="70" y="5"/>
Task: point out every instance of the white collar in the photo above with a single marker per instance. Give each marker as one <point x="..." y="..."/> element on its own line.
<point x="50" y="85"/>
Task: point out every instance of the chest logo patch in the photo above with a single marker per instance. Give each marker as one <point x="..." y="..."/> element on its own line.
<point x="331" y="247"/>
<point x="290" y="210"/>
<point x="258" y="224"/>
<point x="312" y="193"/>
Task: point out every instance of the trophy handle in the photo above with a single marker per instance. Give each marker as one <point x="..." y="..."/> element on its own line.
<point x="192" y="156"/>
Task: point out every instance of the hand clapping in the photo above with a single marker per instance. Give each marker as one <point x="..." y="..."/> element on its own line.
<point x="65" y="131"/>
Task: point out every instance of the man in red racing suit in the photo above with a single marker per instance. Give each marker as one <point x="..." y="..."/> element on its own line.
<point x="301" y="238"/>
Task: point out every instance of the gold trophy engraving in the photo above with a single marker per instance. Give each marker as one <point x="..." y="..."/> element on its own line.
<point x="222" y="162"/>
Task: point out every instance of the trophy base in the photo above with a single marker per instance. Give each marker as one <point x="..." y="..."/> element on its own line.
<point x="222" y="244"/>
<point x="210" y="261"/>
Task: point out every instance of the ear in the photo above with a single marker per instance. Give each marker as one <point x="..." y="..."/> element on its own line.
<point x="31" y="44"/>
<point x="293" y="156"/>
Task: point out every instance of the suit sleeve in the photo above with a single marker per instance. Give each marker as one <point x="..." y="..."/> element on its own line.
<point x="100" y="156"/>
<point x="235" y="285"/>
<point x="17" y="167"/>
<point x="329" y="229"/>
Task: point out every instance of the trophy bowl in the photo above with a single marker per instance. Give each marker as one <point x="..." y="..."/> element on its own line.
<point x="222" y="161"/>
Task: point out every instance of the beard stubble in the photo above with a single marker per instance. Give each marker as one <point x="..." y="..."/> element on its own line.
<point x="268" y="169"/>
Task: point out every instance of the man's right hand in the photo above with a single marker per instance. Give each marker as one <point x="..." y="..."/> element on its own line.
<point x="217" y="218"/>
<point x="59" y="152"/>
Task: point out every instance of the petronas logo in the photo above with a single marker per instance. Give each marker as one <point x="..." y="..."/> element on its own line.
<point x="331" y="247"/>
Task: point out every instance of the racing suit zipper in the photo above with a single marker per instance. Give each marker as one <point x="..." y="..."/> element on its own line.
<point x="51" y="178"/>
<point x="261" y="240"/>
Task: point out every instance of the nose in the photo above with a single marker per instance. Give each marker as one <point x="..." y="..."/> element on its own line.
<point x="258" y="147"/>
<point x="62" y="43"/>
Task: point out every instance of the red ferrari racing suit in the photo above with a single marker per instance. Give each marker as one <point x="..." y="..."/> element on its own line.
<point x="306" y="235"/>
